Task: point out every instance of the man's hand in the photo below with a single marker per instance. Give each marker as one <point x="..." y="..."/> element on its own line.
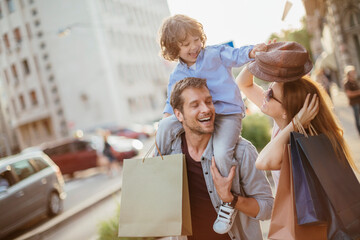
<point x="222" y="184"/>
<point x="262" y="47"/>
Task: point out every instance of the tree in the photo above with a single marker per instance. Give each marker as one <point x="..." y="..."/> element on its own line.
<point x="296" y="35"/>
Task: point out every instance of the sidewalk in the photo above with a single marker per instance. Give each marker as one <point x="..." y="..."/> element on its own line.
<point x="345" y="114"/>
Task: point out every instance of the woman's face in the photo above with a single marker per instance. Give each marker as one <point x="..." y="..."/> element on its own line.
<point x="272" y="101"/>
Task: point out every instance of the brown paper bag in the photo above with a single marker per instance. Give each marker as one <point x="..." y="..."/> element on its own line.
<point x="155" y="198"/>
<point x="283" y="224"/>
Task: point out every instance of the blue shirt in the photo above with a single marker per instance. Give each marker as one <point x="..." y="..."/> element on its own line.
<point x="214" y="63"/>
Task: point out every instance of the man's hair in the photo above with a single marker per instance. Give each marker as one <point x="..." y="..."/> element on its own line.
<point x="174" y="30"/>
<point x="176" y="99"/>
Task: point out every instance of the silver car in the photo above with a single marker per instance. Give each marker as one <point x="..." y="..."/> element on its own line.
<point x="30" y="185"/>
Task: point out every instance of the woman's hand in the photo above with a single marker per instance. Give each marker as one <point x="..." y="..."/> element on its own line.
<point x="309" y="110"/>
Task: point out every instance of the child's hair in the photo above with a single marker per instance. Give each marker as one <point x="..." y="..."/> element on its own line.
<point x="174" y="30"/>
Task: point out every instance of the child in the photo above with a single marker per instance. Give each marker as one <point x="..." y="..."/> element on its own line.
<point x="182" y="38"/>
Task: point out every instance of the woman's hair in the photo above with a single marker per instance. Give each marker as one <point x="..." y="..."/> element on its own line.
<point x="294" y="95"/>
<point x="174" y="30"/>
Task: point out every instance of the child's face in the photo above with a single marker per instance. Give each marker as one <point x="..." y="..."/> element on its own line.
<point x="190" y="49"/>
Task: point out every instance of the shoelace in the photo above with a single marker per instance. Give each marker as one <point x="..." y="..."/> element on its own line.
<point x="225" y="213"/>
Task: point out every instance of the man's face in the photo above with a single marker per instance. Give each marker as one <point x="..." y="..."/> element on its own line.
<point x="198" y="111"/>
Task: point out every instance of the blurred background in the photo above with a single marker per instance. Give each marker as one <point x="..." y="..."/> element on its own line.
<point x="73" y="71"/>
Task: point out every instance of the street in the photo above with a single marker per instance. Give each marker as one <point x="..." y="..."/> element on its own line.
<point x="84" y="225"/>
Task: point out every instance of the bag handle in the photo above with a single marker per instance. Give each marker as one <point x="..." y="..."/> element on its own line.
<point x="300" y="128"/>
<point x="150" y="150"/>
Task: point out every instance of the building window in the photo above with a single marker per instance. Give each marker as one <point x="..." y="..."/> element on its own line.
<point x="42" y="45"/>
<point x="14" y="72"/>
<point x="40" y="34"/>
<point x="31" y="1"/>
<point x="45" y="56"/>
<point x="33" y="98"/>
<point x="51" y="78"/>
<point x="37" y="23"/>
<point x="1" y="12"/>
<point x="34" y="12"/>
<point x="14" y="106"/>
<point x="17" y="35"/>
<point x="22" y="101"/>
<point x="48" y="66"/>
<point x="28" y="30"/>
<point x="10" y="5"/>
<point x="26" y="67"/>
<point x="7" y="77"/>
<point x="6" y="41"/>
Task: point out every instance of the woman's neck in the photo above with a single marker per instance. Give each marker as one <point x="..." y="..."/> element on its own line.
<point x="281" y="123"/>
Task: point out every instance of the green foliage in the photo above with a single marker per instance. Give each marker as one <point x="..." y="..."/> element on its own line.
<point x="296" y="35"/>
<point x="256" y="129"/>
<point x="108" y="229"/>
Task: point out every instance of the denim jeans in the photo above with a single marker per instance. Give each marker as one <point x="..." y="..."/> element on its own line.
<point x="356" y="109"/>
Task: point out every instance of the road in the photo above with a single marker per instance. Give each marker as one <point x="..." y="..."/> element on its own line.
<point x="78" y="191"/>
<point x="88" y="188"/>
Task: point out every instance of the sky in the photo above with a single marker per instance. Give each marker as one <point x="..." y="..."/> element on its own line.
<point x="242" y="21"/>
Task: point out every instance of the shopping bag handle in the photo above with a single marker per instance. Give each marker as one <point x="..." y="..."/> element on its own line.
<point x="300" y="128"/>
<point x="151" y="148"/>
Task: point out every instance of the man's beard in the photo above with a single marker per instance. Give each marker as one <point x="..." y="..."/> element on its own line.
<point x="196" y="128"/>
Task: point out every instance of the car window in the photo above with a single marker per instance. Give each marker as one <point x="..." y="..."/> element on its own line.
<point x="6" y="180"/>
<point x="39" y="163"/>
<point x="23" y="169"/>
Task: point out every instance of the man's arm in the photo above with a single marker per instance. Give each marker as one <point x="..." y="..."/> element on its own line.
<point x="352" y="94"/>
<point x="249" y="206"/>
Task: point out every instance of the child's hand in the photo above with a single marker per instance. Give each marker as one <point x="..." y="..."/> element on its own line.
<point x="262" y="47"/>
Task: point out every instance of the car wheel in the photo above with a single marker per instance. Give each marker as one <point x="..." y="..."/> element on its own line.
<point x="55" y="204"/>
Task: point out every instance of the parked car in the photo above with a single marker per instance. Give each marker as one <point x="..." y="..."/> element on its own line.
<point x="71" y="154"/>
<point x="30" y="185"/>
<point x="129" y="133"/>
<point x="122" y="147"/>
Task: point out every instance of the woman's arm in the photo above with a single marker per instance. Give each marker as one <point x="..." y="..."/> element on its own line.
<point x="251" y="90"/>
<point x="271" y="156"/>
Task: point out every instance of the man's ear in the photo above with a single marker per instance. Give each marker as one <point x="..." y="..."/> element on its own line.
<point x="178" y="115"/>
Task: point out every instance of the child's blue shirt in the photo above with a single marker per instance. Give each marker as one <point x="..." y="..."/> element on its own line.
<point x="214" y="63"/>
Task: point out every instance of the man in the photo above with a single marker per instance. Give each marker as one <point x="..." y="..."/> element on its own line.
<point x="246" y="188"/>
<point x="352" y="90"/>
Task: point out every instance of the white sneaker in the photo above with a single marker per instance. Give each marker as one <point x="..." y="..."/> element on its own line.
<point x="225" y="219"/>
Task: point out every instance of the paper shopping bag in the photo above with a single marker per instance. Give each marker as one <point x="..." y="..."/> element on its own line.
<point x="283" y="224"/>
<point x="309" y="204"/>
<point x="155" y="198"/>
<point x="337" y="179"/>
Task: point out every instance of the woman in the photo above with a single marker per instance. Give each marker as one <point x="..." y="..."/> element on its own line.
<point x="292" y="95"/>
<point x="288" y="96"/>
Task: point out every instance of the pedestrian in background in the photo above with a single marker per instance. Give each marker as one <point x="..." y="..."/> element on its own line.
<point x="107" y="152"/>
<point x="323" y="80"/>
<point x="352" y="91"/>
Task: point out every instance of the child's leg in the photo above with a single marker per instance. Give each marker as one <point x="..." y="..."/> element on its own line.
<point x="226" y="135"/>
<point x="168" y="129"/>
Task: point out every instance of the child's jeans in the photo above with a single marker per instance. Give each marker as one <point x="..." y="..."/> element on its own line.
<point x="226" y="134"/>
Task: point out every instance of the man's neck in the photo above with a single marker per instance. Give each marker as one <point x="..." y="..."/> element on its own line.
<point x="196" y="144"/>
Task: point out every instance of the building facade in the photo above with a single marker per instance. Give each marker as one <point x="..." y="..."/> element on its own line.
<point x="69" y="65"/>
<point x="335" y="29"/>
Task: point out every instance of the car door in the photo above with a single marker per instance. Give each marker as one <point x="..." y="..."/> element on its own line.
<point x="28" y="193"/>
<point x="7" y="204"/>
<point x="44" y="178"/>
